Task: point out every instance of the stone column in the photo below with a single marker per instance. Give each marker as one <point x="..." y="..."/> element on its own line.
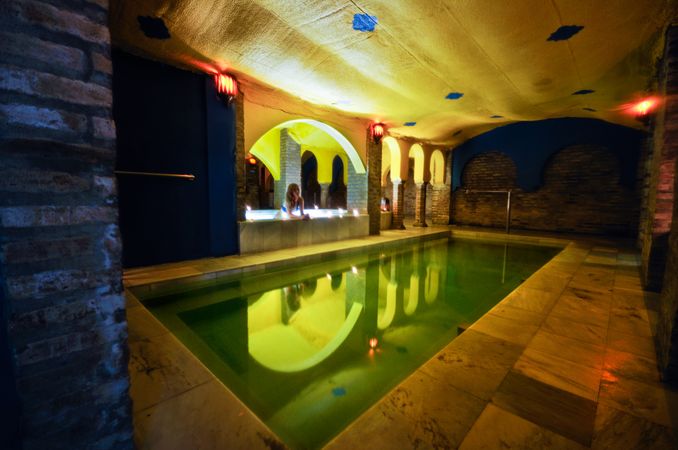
<point x="240" y="175"/>
<point x="442" y="197"/>
<point x="397" y="203"/>
<point x="373" y="183"/>
<point x="324" y="194"/>
<point x="440" y="204"/>
<point x="356" y="195"/>
<point x="63" y="327"/>
<point x="420" y="205"/>
<point x="290" y="167"/>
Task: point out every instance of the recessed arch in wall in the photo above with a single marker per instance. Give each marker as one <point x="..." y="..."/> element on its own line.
<point x="417" y="154"/>
<point x="437" y="167"/>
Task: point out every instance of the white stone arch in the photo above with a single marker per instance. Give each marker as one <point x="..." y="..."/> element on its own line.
<point x="273" y="165"/>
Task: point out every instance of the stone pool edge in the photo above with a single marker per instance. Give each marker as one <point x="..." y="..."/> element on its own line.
<point x="258" y="434"/>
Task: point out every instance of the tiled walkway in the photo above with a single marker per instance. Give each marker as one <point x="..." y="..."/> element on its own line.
<point x="565" y="361"/>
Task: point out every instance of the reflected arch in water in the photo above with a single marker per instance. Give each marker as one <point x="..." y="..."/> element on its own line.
<point x="307" y="337"/>
<point x="432" y="283"/>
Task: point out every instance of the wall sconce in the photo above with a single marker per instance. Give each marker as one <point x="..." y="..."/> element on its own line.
<point x="377" y="130"/>
<point x="227" y="87"/>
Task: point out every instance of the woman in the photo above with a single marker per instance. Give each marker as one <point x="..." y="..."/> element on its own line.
<point x="294" y="201"/>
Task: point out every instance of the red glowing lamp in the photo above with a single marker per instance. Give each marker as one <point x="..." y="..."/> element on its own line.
<point x="377" y="130"/>
<point x="645" y="106"/>
<point x="227" y="87"/>
<point x="252" y="161"/>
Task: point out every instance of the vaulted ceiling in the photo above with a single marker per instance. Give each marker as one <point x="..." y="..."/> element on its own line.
<point x="439" y="71"/>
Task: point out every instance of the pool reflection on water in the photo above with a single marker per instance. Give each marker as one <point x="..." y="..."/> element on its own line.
<point x="309" y="348"/>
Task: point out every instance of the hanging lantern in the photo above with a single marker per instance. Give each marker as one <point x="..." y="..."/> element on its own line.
<point x="377" y="131"/>
<point x="227" y="87"/>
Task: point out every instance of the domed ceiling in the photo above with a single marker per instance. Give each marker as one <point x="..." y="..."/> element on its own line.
<point x="438" y="71"/>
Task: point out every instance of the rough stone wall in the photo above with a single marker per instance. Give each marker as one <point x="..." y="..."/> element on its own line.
<point x="667" y="330"/>
<point x="60" y="250"/>
<point x="581" y="193"/>
<point x="440" y="204"/>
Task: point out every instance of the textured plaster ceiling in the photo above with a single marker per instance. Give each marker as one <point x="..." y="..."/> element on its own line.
<point x="494" y="52"/>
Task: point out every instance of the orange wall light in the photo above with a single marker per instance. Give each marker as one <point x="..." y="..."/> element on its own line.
<point x="377" y="130"/>
<point x="227" y="87"/>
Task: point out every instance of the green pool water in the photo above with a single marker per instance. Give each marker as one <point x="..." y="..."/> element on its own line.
<point x="309" y="348"/>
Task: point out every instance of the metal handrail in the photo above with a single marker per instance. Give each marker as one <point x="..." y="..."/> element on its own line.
<point x="508" y="204"/>
<point x="185" y="176"/>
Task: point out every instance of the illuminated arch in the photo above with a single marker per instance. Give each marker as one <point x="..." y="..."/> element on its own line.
<point x="417" y="153"/>
<point x="437" y="167"/>
<point x="267" y="147"/>
<point x="385" y="164"/>
<point x="391" y="145"/>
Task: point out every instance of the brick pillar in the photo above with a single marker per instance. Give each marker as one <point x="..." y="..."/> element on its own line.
<point x="324" y="194"/>
<point x="420" y="205"/>
<point x="373" y="184"/>
<point x="290" y="167"/>
<point x="397" y="203"/>
<point x="63" y="332"/>
<point x="240" y="175"/>
<point x="667" y="321"/>
<point x="440" y="204"/>
<point x="661" y="192"/>
<point x="356" y="195"/>
<point x="448" y="181"/>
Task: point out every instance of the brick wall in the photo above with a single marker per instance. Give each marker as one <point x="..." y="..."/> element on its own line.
<point x="580" y="193"/>
<point x="667" y="331"/>
<point x="59" y="243"/>
<point x="373" y="183"/>
<point x="356" y="189"/>
<point x="659" y="176"/>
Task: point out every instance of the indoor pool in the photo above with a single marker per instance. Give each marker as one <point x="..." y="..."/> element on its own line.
<point x="309" y="348"/>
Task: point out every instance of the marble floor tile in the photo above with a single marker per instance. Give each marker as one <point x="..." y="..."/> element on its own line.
<point x="559" y="411"/>
<point x="502" y="328"/>
<point x="574" y="350"/>
<point x="474" y="362"/>
<point x="583" y="311"/>
<point x="615" y="429"/>
<point x="575" y="330"/>
<point x="546" y="282"/>
<point x="630" y="320"/>
<point x="142" y="324"/>
<point x="560" y="373"/>
<point x="420" y="413"/>
<point x="496" y="428"/>
<point x="534" y="300"/>
<point x="160" y="368"/>
<point x="638" y="345"/>
<point x="627" y="365"/>
<point x="516" y="314"/>
<point x="651" y="402"/>
<point x="601" y="297"/>
<point x="205" y="417"/>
